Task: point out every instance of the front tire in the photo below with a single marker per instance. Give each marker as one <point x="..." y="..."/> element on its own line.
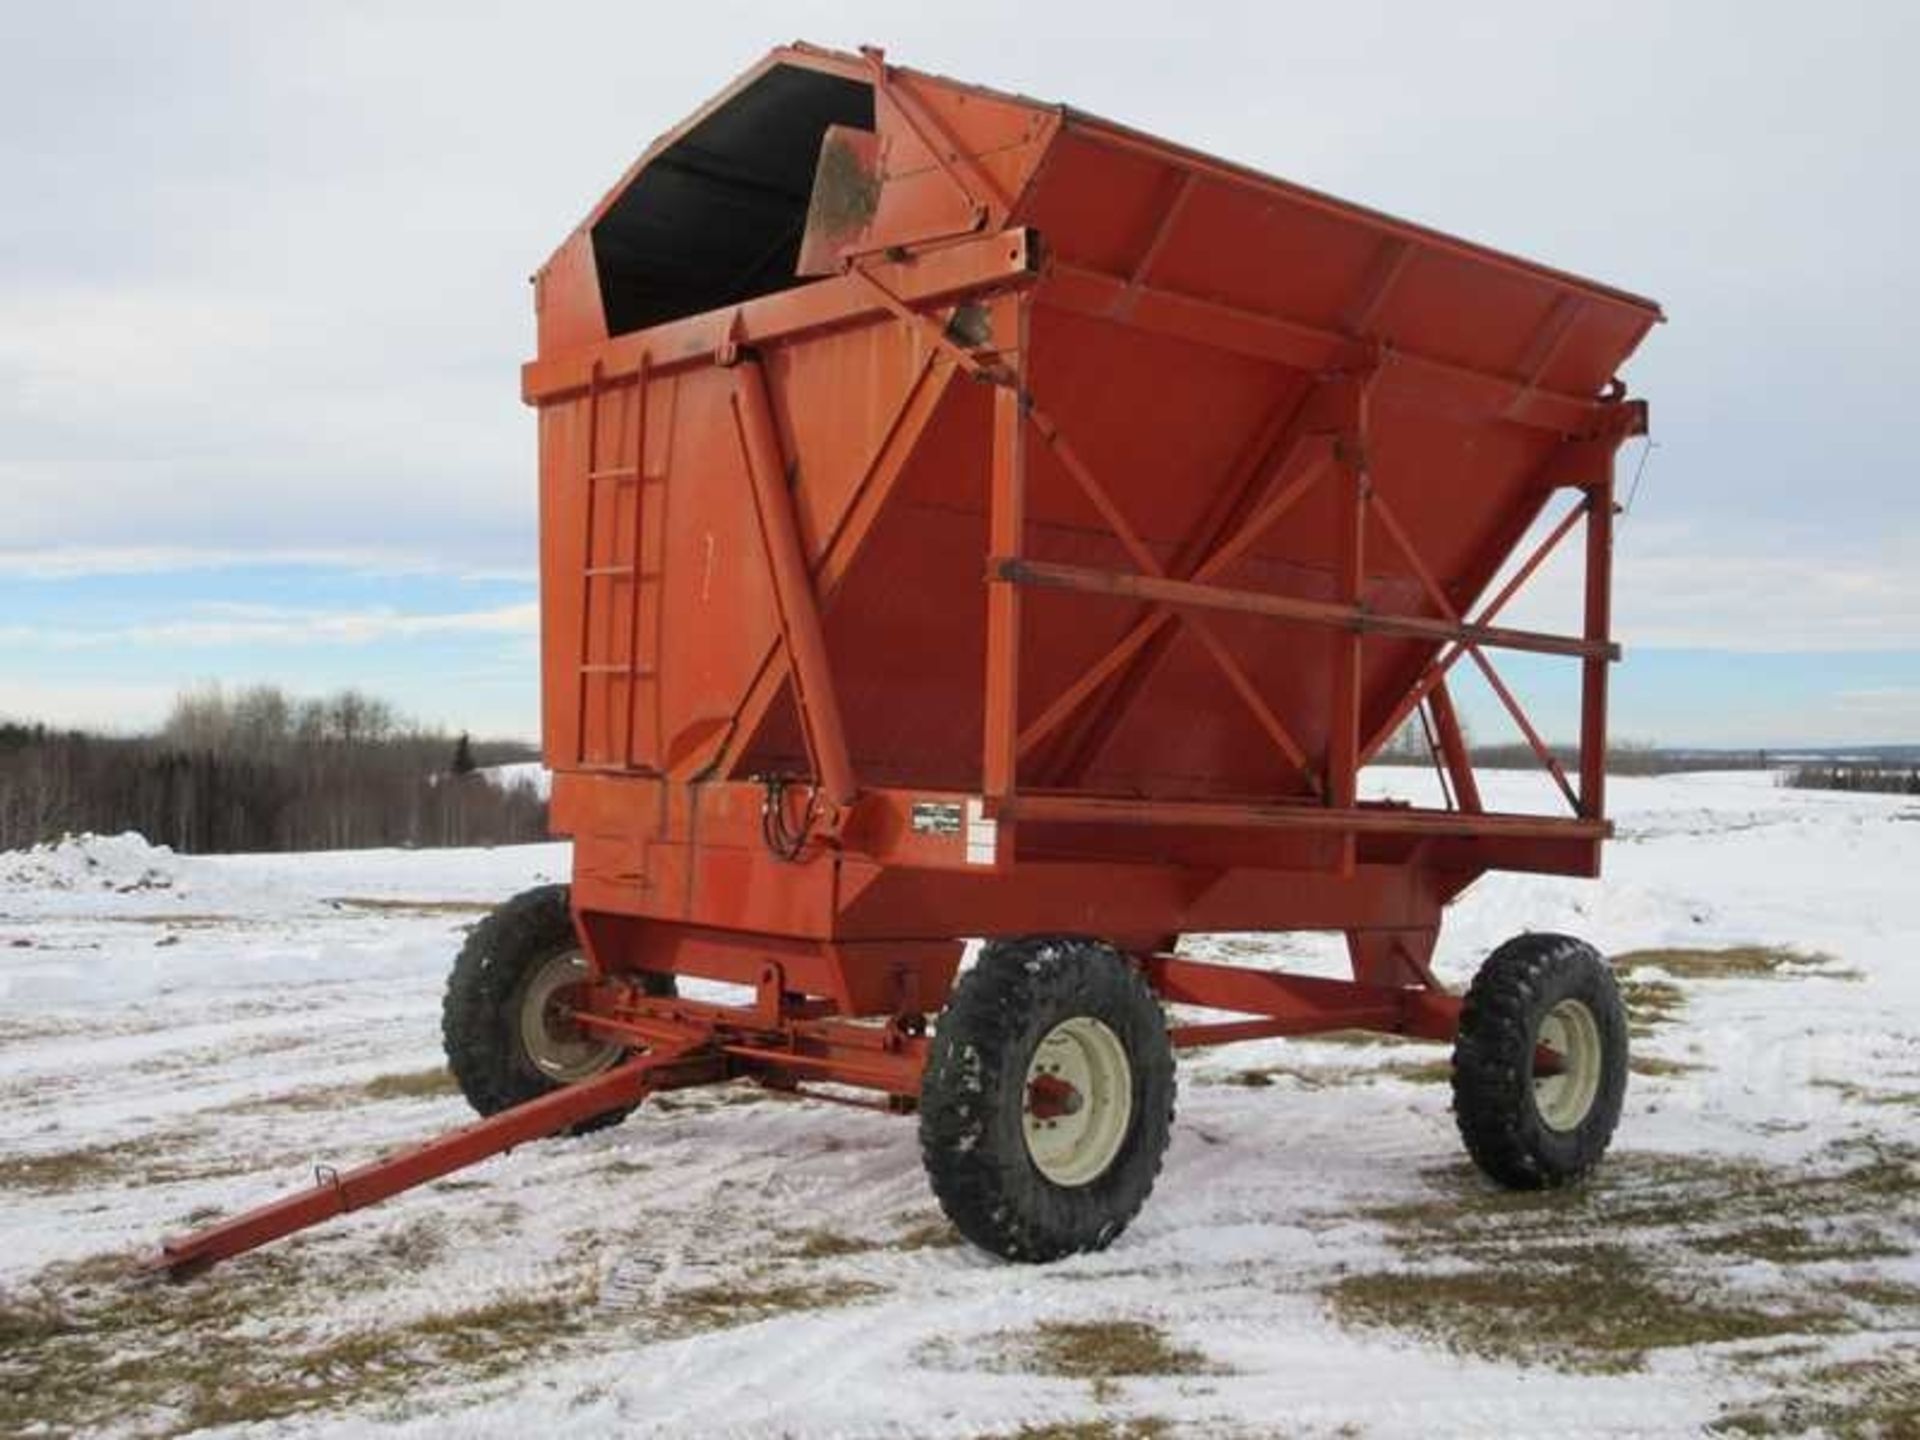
<point x="1047" y="1099"/>
<point x="508" y="1039"/>
<point x="1532" y="1131"/>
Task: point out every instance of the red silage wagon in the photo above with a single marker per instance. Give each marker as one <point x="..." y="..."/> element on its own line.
<point x="962" y="517"/>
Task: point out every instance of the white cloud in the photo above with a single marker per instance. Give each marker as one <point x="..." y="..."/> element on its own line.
<point x="66" y="562"/>
<point x="1858" y="598"/>
<point x="255" y="625"/>
<point x="1752" y="589"/>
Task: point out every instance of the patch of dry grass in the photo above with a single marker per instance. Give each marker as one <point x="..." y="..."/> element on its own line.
<point x="1596" y="1308"/>
<point x="1659" y="1068"/>
<point x="1359" y="1037"/>
<point x="723" y="1306"/>
<point x="432" y="1083"/>
<point x="161" y="1158"/>
<point x="1263" y="1076"/>
<point x="1647" y="978"/>
<point x="1435" y="1071"/>
<point x="1102" y="1350"/>
<point x="1876" y="1398"/>
<point x="1735" y="962"/>
<point x="92" y="1344"/>
<point x="480" y="1341"/>
<point x="717" y="1097"/>
<point x="386" y="904"/>
<point x="828" y="1245"/>
<point x="1105" y="1427"/>
<point x="1869" y="1095"/>
<point x="928" y="1235"/>
<point x="1650" y="1003"/>
<point x="428" y="1084"/>
<point x="1597" y="1278"/>
<point x="1797" y="1243"/>
<point x="1417" y="1072"/>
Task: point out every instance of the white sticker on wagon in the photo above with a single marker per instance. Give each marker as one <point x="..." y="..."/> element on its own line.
<point x="983" y="835"/>
<point x="934" y="817"/>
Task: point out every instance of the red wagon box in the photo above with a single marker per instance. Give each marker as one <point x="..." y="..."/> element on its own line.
<point x="964" y="517"/>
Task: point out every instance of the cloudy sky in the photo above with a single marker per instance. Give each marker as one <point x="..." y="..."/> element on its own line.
<point x="263" y="301"/>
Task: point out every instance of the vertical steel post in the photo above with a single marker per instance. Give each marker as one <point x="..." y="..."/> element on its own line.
<point x="583" y="676"/>
<point x="1599" y="626"/>
<point x="1350" y="564"/>
<point x="1453" y="749"/>
<point x="792" y="583"/>
<point x="1007" y="508"/>
<point x="635" y="578"/>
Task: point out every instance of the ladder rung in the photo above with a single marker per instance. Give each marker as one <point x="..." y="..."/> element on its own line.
<point x="607" y="570"/>
<point x="618" y="472"/>
<point x="639" y="670"/>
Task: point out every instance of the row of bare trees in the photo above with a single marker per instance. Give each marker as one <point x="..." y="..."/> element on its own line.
<point x="1624" y="757"/>
<point x="261" y="770"/>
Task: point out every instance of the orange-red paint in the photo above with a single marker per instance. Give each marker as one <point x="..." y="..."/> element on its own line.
<point x="965" y="516"/>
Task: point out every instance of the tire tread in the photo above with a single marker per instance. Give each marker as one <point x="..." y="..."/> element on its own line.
<point x="982" y="1175"/>
<point x="1493" y="1064"/>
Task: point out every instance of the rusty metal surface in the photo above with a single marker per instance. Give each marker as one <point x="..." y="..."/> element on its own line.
<point x="846" y="193"/>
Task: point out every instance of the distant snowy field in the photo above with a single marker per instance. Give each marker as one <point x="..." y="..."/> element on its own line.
<point x="184" y="1033"/>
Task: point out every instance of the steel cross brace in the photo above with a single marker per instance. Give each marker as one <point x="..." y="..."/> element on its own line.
<point x="1334" y="413"/>
<point x="1383" y="512"/>
<point x="1149" y="565"/>
<point x="1301" y="459"/>
<point x="1436" y="671"/>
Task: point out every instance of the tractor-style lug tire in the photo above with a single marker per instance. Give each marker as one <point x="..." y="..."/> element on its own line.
<point x="1037" y="1196"/>
<point x="1533" y="1132"/>
<point x="488" y="992"/>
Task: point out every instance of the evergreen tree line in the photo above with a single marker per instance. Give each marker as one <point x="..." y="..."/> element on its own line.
<point x="260" y="770"/>
<point x="1865" y="779"/>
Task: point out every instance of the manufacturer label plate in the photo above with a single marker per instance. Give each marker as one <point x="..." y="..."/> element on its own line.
<point x="935" y="817"/>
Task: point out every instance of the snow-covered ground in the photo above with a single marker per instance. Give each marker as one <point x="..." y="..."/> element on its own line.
<point x="179" y="1034"/>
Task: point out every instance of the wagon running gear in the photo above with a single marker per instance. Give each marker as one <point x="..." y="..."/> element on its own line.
<point x="1047" y="1098"/>
<point x="1527" y="1129"/>
<point x="504" y="1023"/>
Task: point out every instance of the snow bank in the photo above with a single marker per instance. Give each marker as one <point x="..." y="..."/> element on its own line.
<point x="122" y="863"/>
<point x="125" y="876"/>
<point x="530" y="773"/>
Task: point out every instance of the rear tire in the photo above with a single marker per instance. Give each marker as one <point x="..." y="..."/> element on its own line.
<point x="1528" y="1131"/>
<point x="506" y="1040"/>
<point x="1047" y="1099"/>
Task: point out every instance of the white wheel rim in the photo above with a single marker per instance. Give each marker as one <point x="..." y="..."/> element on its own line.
<point x="1572" y="1034"/>
<point x="1078" y="1101"/>
<point x="553" y="1040"/>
